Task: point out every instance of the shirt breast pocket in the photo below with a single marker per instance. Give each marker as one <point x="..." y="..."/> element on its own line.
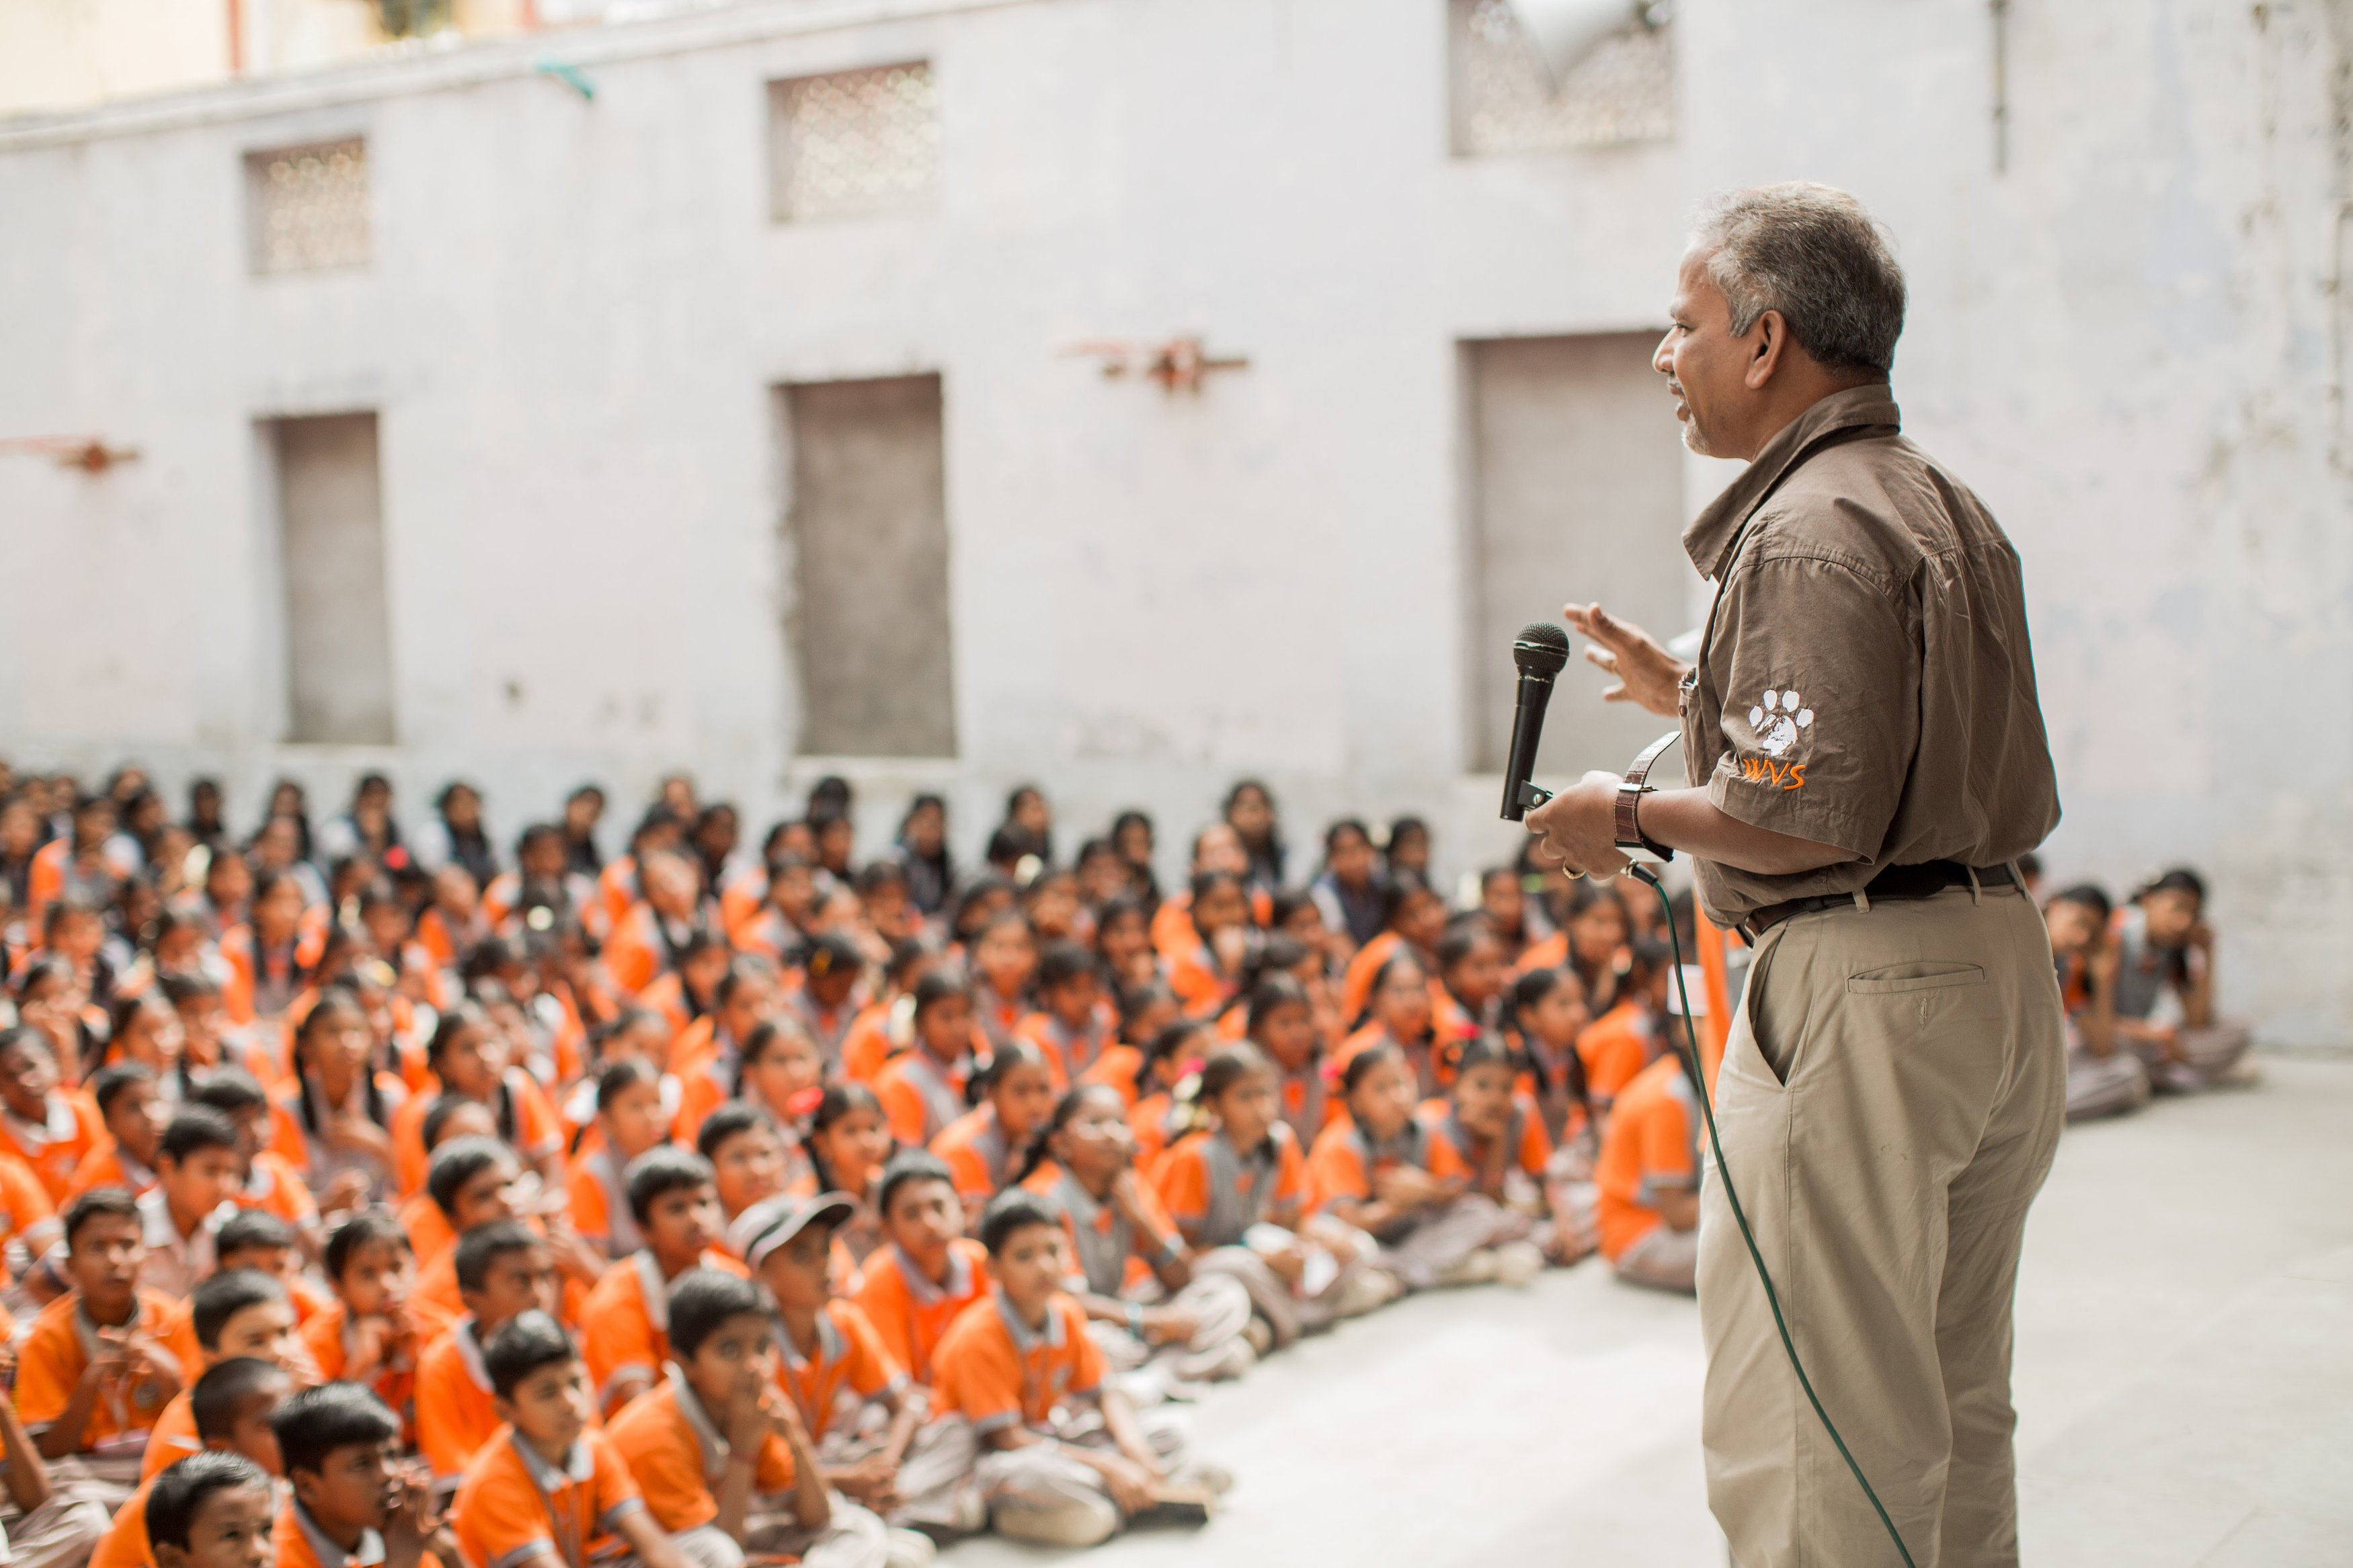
<point x="1898" y="978"/>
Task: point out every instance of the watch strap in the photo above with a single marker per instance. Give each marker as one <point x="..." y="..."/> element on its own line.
<point x="1625" y="822"/>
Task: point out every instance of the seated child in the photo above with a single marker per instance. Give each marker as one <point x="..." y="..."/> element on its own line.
<point x="502" y="1269"/>
<point x="1158" y="1322"/>
<point x="1174" y="1052"/>
<point x="837" y="1373"/>
<point x="782" y="1073"/>
<point x="239" y="1315"/>
<point x="48" y="1128"/>
<point x="256" y="1238"/>
<point x="1623" y="1041"/>
<point x="2165" y="986"/>
<point x="374" y="1333"/>
<point x="474" y="1180"/>
<point x="1068" y="1458"/>
<point x="676" y="1211"/>
<point x="215" y="1511"/>
<point x="447" y="1117"/>
<point x="1282" y="1025"/>
<point x="334" y="1122"/>
<point x="2103" y="1078"/>
<point x="269" y="1182"/>
<point x="547" y="1489"/>
<point x="630" y="1120"/>
<point x="985" y="1146"/>
<point x="1399" y="1017"/>
<point x="723" y="1458"/>
<point x="1071" y="1026"/>
<point x="921" y="1088"/>
<point x="1236" y="1184"/>
<point x="196" y="1167"/>
<point x="1648" y="1172"/>
<point x="134" y="1119"/>
<point x="847" y="1144"/>
<point x="1144" y="1009"/>
<point x="233" y="1403"/>
<point x="912" y="1289"/>
<point x="1497" y="1133"/>
<point x="1544" y="1014"/>
<point x="355" y="1500"/>
<point x="887" y="1027"/>
<point x="99" y="1398"/>
<point x="1382" y="1173"/>
<point x="750" y="1161"/>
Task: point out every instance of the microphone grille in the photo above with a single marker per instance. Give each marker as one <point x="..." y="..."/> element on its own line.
<point x="1541" y="649"/>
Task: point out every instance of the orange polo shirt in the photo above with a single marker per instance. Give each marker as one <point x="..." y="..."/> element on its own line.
<point x="51" y="1359"/>
<point x="1649" y="1145"/>
<point x="74" y="1129"/>
<point x="1614" y="1048"/>
<point x="657" y="1439"/>
<point x="172" y="1437"/>
<point x="1182" y="1179"/>
<point x="510" y="1502"/>
<point x="625" y="1324"/>
<point x="327" y="1333"/>
<point x="454" y="1414"/>
<point x="1337" y="1168"/>
<point x="124" y="1544"/>
<point x="910" y="1312"/>
<point x="850" y="1356"/>
<point x="995" y="1375"/>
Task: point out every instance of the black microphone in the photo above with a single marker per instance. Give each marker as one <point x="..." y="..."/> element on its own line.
<point x="1540" y="650"/>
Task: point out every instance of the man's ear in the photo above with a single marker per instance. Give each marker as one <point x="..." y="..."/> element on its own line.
<point x="1772" y="334"/>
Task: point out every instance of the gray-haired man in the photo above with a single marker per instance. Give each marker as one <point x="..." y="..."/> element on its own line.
<point x="1867" y="758"/>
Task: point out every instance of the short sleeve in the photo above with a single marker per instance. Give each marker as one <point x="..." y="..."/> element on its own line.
<point x="618" y="1337"/>
<point x="978" y="1377"/>
<point x="589" y="1216"/>
<point x="1290" y="1172"/>
<point x="26" y="1200"/>
<point x="616" y="1491"/>
<point x="1535" y="1146"/>
<point x="883" y="1302"/>
<point x="1182" y="1181"/>
<point x="1820" y="703"/>
<point x="1445" y="1160"/>
<point x="1336" y="1172"/>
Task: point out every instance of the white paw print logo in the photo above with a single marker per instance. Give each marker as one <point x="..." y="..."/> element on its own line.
<point x="1777" y="721"/>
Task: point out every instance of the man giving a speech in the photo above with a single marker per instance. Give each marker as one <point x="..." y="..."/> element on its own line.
<point x="1867" y="758"/>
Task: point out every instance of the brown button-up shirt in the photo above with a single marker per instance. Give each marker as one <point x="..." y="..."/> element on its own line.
<point x="1865" y="680"/>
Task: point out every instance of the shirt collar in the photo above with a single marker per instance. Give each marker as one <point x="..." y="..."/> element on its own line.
<point x="1024" y="1338"/>
<point x="332" y="1555"/>
<point x="828" y="1342"/>
<point x="919" y="1286"/>
<point x="469" y="1352"/>
<point x="1709" y="539"/>
<point x="706" y="1431"/>
<point x="578" y="1466"/>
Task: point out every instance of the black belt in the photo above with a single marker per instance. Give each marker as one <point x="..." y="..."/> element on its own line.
<point x="1925" y="880"/>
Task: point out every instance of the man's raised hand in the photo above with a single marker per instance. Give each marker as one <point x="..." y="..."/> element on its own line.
<point x="1647" y="673"/>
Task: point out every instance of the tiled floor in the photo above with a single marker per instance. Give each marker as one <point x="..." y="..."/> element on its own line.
<point x="2185" y="1384"/>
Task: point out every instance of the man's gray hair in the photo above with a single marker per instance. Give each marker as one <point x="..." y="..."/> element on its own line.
<point x="1813" y="254"/>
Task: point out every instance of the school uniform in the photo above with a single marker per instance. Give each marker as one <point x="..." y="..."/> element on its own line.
<point x="625" y="1323"/>
<point x="1614" y="1048"/>
<point x="997" y="1372"/>
<point x="302" y="1543"/>
<point x="454" y="1416"/>
<point x="875" y="1036"/>
<point x="979" y="1155"/>
<point x="1113" y="1257"/>
<point x="513" y="1505"/>
<point x="1650" y="1144"/>
<point x="327" y="1334"/>
<point x="300" y="1113"/>
<point x="176" y="1261"/>
<point x="677" y="1455"/>
<point x="1070" y="1052"/>
<point x="2148" y="979"/>
<point x="600" y="1202"/>
<point x="124" y="1542"/>
<point x="1548" y="1204"/>
<point x="1432" y="1246"/>
<point x="27" y="1215"/>
<point x="61" y="1343"/>
<point x="910" y="1311"/>
<point x="920" y="1096"/>
<point x="55" y="1147"/>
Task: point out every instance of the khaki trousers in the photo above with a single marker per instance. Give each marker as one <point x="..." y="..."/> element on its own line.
<point x="1891" y="1096"/>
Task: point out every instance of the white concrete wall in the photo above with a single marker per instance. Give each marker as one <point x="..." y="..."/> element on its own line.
<point x="2128" y="342"/>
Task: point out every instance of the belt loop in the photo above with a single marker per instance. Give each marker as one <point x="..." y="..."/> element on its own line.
<point x="1976" y="893"/>
<point x="1863" y="900"/>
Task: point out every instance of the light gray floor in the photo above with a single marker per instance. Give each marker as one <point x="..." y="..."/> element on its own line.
<point x="2185" y="1382"/>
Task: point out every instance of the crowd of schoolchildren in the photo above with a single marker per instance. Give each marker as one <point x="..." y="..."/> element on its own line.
<point x="369" y="1194"/>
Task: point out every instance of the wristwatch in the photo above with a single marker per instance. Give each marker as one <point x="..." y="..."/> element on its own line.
<point x="1627" y="825"/>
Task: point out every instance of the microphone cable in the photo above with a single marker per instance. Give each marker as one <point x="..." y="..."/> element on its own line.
<point x="1716" y="1145"/>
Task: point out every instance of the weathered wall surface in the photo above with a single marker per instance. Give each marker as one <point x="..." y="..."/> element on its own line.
<point x="2129" y="340"/>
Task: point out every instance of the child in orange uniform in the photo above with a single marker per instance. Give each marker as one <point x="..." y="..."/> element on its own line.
<point x="912" y="1289"/>
<point x="1622" y="1041"/>
<point x="1145" y="1306"/>
<point x="548" y="1489"/>
<point x="1382" y="1173"/>
<point x="211" y="1512"/>
<point x="334" y="1121"/>
<point x="233" y="1403"/>
<point x="1024" y="1371"/>
<point x="99" y="1404"/>
<point x="134" y="1119"/>
<point x="1071" y="1024"/>
<point x="503" y="1269"/>
<point x="629" y="1122"/>
<point x="49" y="1127"/>
<point x="1497" y="1133"/>
<point x="721" y="1401"/>
<point x="847" y="1145"/>
<point x="986" y="1146"/>
<point x="1649" y="1175"/>
<point x="676" y="1209"/>
<point x="242" y="1314"/>
<point x="351" y="1489"/>
<point x="921" y="1088"/>
<point x="374" y="1333"/>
